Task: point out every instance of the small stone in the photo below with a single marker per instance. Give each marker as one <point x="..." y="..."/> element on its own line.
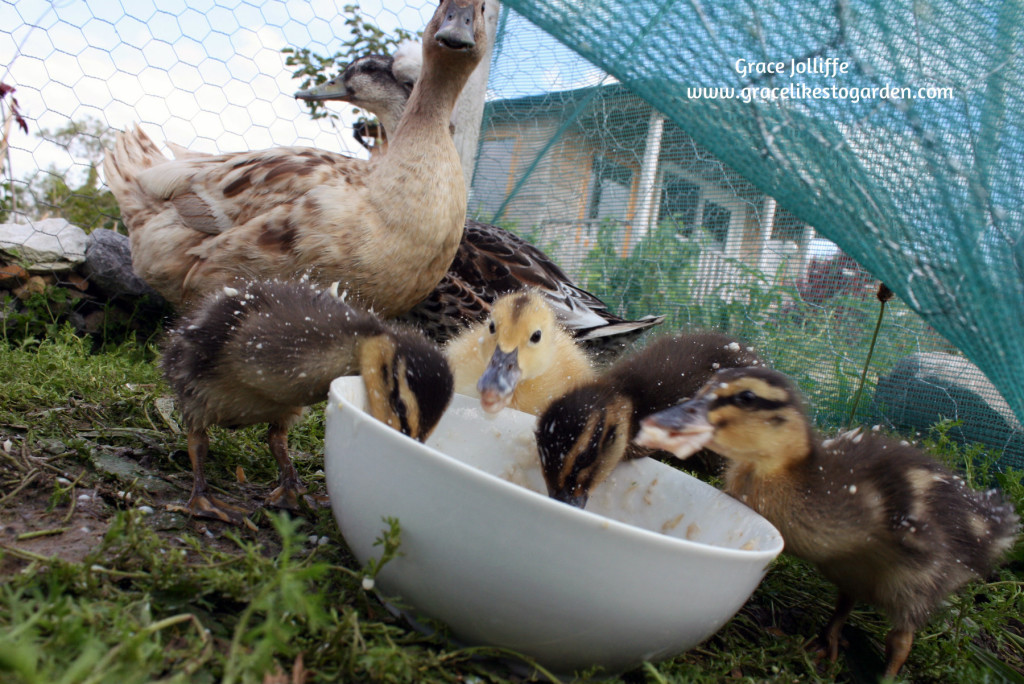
<point x="12" y="276"/>
<point x="76" y="281"/>
<point x="34" y="285"/>
<point x="52" y="446"/>
<point x="108" y="266"/>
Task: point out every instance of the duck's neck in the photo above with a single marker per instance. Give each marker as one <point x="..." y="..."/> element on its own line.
<point x="418" y="188"/>
<point x="428" y="111"/>
<point x="390" y="117"/>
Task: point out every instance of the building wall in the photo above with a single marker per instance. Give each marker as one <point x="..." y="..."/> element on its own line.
<point x="558" y="207"/>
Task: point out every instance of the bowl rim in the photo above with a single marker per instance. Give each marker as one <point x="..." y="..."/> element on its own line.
<point x="769" y="551"/>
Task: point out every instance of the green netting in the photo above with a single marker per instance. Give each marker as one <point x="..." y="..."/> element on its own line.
<point x="921" y="184"/>
<point x="774" y="220"/>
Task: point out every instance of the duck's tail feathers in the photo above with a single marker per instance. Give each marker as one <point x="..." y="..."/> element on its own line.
<point x="606" y="342"/>
<point x="182" y="152"/>
<point x="133" y="153"/>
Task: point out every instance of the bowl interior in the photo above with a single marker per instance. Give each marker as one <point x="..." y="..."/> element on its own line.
<point x="643" y="494"/>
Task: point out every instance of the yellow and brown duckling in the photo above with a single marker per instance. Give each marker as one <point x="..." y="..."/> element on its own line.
<point x="883" y="521"/>
<point x="584" y="434"/>
<point x="521" y="357"/>
<point x="262" y="351"/>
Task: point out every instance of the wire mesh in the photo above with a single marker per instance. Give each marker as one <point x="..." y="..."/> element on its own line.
<point x="770" y="219"/>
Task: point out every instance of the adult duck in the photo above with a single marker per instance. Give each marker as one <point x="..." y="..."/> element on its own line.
<point x="387" y="228"/>
<point x="491" y="261"/>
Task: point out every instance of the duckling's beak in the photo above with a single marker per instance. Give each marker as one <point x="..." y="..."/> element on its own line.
<point x="332" y="90"/>
<point x="456" y="30"/>
<point x="577" y="500"/>
<point x="682" y="429"/>
<point x="499" y="380"/>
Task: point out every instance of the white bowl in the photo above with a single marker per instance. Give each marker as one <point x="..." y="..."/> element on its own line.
<point x="657" y="563"/>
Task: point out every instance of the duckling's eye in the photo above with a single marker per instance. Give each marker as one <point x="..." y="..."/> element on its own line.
<point x="744" y="398"/>
<point x="535" y="337"/>
<point x="609" y="436"/>
<point x="492" y="328"/>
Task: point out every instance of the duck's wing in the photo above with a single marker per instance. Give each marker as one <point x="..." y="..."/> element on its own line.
<point x="214" y="193"/>
<point x="448" y="310"/>
<point x="493" y="261"/>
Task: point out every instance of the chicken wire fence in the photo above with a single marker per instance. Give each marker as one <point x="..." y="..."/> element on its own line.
<point x="758" y="168"/>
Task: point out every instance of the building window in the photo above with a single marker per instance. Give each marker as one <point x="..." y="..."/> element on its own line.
<point x="679" y="202"/>
<point x="716" y="222"/>
<point x="610" y="185"/>
<point x="787" y="226"/>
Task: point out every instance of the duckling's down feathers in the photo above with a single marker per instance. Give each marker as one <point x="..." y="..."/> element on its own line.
<point x="250" y="351"/>
<point x="891" y="506"/>
<point x="246" y="352"/>
<point x="584" y="434"/>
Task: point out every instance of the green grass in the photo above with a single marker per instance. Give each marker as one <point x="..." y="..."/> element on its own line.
<point x="177" y="602"/>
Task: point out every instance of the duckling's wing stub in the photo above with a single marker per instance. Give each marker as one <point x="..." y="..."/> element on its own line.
<point x="929" y="507"/>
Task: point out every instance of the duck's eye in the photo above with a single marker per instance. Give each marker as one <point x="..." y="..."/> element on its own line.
<point x="492" y="328"/>
<point x="535" y="337"/>
<point x="744" y="398"/>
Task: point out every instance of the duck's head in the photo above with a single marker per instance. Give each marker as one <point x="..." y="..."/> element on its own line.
<point x="581" y="437"/>
<point x="368" y="82"/>
<point x="752" y="415"/>
<point x="457" y="25"/>
<point x="520" y="340"/>
<point x="408" y="381"/>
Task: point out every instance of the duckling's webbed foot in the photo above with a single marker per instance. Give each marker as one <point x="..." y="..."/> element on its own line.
<point x="201" y="504"/>
<point x="289" y="489"/>
<point x="286" y="495"/>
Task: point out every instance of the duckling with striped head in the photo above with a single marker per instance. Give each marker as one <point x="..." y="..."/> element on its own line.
<point x="882" y="520"/>
<point x="585" y="433"/>
<point x="260" y="352"/>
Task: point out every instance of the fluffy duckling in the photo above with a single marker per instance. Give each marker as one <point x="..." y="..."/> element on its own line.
<point x="521" y="357"/>
<point x="584" y="434"/>
<point x="882" y="520"/>
<point x="262" y="352"/>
